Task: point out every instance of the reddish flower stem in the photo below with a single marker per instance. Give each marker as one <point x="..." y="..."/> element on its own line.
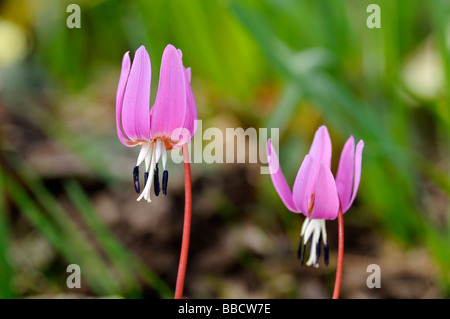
<point x="340" y="258"/>
<point x="187" y="224"/>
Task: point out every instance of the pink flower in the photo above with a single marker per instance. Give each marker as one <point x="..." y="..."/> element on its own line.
<point x="169" y="124"/>
<point x="316" y="194"/>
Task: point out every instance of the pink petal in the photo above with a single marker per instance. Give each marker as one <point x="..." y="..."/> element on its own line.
<point x="188" y="74"/>
<point x="136" y="101"/>
<point x="321" y="146"/>
<point x="358" y="160"/>
<point x="191" y="115"/>
<point x="119" y="97"/>
<point x="344" y="176"/>
<point x="302" y="186"/>
<point x="326" y="202"/>
<point x="279" y="182"/>
<point x="170" y="108"/>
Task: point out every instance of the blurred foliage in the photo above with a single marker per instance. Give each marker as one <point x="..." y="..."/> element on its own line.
<point x="292" y="64"/>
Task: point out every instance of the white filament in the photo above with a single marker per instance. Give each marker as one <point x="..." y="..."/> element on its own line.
<point x="146" y="192"/>
<point x="143" y="153"/>
<point x="148" y="159"/>
<point x="314" y="228"/>
<point x="158" y="150"/>
<point x="164" y="156"/>
<point x="151" y="153"/>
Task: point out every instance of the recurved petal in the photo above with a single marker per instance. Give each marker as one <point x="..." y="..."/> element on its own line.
<point x="321" y="146"/>
<point x="357" y="178"/>
<point x="124" y="73"/>
<point x="170" y="108"/>
<point x="345" y="173"/>
<point x="279" y="182"/>
<point x="136" y="101"/>
<point x="301" y="192"/>
<point x="326" y="202"/>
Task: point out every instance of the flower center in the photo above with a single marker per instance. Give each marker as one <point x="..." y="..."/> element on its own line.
<point x="151" y="153"/>
<point x="312" y="234"/>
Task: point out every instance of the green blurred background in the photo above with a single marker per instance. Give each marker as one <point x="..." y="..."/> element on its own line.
<point x="66" y="195"/>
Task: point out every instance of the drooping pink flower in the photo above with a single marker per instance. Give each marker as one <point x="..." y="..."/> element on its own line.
<point x="316" y="194"/>
<point x="169" y="124"/>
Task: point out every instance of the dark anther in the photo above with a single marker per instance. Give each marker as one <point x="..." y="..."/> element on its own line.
<point x="145" y="178"/>
<point x="318" y="248"/>
<point x="164" y="182"/>
<point x="302" y="257"/>
<point x="137" y="188"/>
<point x="325" y="253"/>
<point x="156" y="180"/>
<point x="317" y="253"/>
<point x="299" y="250"/>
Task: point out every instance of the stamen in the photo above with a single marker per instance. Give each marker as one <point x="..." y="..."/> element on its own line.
<point x="299" y="250"/>
<point x="302" y="257"/>
<point x="312" y="252"/>
<point x="164" y="182"/>
<point x="302" y="237"/>
<point x="313" y="233"/>
<point x="305" y="224"/>
<point x="325" y="254"/>
<point x="316" y="264"/>
<point x="318" y="247"/>
<point x="156" y="180"/>
<point x="148" y="159"/>
<point x="146" y="192"/>
<point x="325" y="244"/>
<point x="310" y="229"/>
<point x="324" y="231"/>
<point x="164" y="156"/>
<point x="308" y="263"/>
<point x="143" y="153"/>
<point x="137" y="188"/>
<point x="158" y="150"/>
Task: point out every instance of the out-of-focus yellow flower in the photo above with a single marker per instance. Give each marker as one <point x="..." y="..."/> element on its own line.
<point x="13" y="43"/>
<point x="423" y="72"/>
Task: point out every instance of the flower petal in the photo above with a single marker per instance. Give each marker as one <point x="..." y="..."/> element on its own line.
<point x="124" y="73"/>
<point x="279" y="182"/>
<point x="345" y="172"/>
<point x="181" y="136"/>
<point x="326" y="201"/>
<point x="358" y="160"/>
<point x="188" y="74"/>
<point x="321" y="146"/>
<point x="301" y="192"/>
<point x="136" y="101"/>
<point x="190" y="122"/>
<point x="170" y="108"/>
